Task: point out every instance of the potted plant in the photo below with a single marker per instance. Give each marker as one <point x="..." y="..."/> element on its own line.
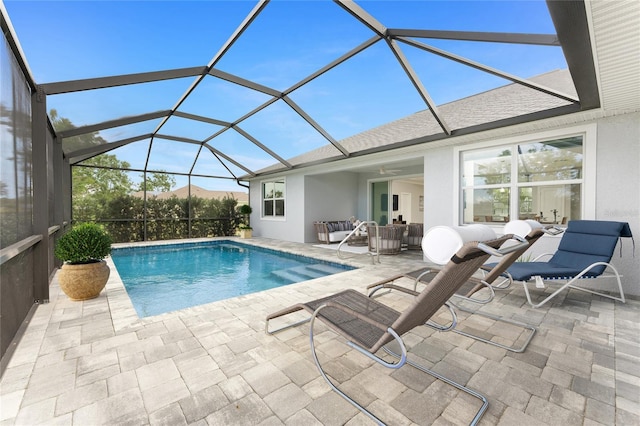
<point x="84" y="272"/>
<point x="244" y="229"/>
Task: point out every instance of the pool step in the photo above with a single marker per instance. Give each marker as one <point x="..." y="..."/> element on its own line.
<point x="306" y="272"/>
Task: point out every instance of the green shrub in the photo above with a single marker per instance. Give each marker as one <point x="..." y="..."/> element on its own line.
<point x="84" y="243"/>
<point x="245" y="209"/>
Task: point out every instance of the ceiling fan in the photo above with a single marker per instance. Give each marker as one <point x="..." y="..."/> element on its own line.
<point x="384" y="171"/>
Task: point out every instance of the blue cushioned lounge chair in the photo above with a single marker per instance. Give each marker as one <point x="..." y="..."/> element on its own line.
<point x="585" y="251"/>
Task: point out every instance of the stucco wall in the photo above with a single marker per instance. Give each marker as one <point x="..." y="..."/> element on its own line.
<point x="289" y="228"/>
<point x="618" y="188"/>
<point x="329" y="197"/>
<point x="439" y="191"/>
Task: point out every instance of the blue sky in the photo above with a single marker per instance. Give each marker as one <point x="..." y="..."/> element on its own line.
<point x="287" y="42"/>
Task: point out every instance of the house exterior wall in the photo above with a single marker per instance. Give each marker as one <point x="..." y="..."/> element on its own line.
<point x="439" y="190"/>
<point x="287" y="228"/>
<point x="613" y="195"/>
<point x="616" y="196"/>
<point x="618" y="188"/>
<point x="310" y="198"/>
<point x="329" y="197"/>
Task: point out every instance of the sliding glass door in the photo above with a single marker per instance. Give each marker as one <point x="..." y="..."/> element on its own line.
<point x="380" y="202"/>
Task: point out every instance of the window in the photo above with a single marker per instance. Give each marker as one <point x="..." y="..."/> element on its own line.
<point x="534" y="180"/>
<point x="273" y="198"/>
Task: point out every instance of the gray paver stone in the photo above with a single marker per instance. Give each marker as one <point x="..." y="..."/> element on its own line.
<point x="168" y="416"/>
<point x="600" y="412"/>
<point x="551" y="413"/>
<point x="285" y="401"/>
<point x="247" y="411"/>
<point x="203" y="403"/>
<point x="265" y="378"/>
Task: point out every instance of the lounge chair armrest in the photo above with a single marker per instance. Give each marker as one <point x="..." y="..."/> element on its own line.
<point x="506" y="250"/>
<point x="390" y="286"/>
<point x="552" y="230"/>
<point x="403" y="289"/>
<point x="386" y="282"/>
<point x="343" y="308"/>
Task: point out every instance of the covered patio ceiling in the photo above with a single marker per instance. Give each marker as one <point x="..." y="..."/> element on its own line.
<point x="289" y="78"/>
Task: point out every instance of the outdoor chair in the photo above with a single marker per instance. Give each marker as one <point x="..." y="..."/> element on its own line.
<point x="369" y="325"/>
<point x="585" y="251"/>
<point x="413" y="239"/>
<point x="474" y="284"/>
<point x="385" y="239"/>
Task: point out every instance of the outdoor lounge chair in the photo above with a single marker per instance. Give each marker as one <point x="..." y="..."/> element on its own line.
<point x="584" y="252"/>
<point x="368" y="325"/>
<point x="473" y="285"/>
<point x="493" y="271"/>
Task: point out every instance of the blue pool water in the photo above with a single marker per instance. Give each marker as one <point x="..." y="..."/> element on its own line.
<point x="166" y="278"/>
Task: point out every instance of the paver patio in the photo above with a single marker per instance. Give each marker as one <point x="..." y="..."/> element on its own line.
<point x="95" y="362"/>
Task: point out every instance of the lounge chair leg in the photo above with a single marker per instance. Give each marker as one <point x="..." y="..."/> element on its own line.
<point x="403" y="359"/>
<point x="485" y="402"/>
<point x="569" y="284"/>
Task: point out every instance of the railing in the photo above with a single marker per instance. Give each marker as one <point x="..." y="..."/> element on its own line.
<point x="375" y="256"/>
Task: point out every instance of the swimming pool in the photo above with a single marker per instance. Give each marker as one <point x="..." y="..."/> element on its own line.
<point x="164" y="278"/>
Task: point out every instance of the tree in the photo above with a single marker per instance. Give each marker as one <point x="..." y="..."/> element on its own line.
<point x="76" y="142"/>
<point x="96" y="181"/>
<point x="93" y="188"/>
<point x="162" y="182"/>
<point x="102" y="190"/>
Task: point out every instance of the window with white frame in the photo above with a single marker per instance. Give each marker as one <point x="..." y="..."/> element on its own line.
<point x="533" y="180"/>
<point x="273" y="198"/>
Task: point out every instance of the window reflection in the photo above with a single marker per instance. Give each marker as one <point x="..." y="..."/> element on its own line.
<point x="545" y="161"/>
<point x="273" y="198"/>
<point x="486" y="167"/>
<point x="547" y="180"/>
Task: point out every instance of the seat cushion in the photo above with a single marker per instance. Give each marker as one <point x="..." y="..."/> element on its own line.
<point x="586" y="242"/>
<point x="523" y="271"/>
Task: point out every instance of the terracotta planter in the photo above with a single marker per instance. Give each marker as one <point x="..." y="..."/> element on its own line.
<point x="85" y="281"/>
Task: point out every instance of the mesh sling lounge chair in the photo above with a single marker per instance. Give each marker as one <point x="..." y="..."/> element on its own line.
<point x="368" y="325"/>
<point x="584" y="252"/>
<point x="493" y="271"/>
<point x="473" y="285"/>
